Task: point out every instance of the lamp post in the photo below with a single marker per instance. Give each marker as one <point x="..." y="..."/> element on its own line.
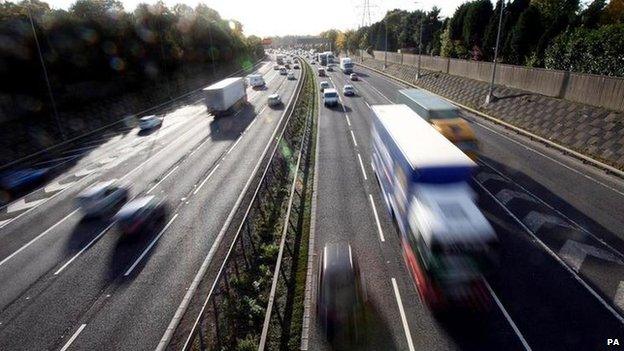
<point x="419" y="48"/>
<point x="490" y="96"/>
<point x="386" y="43"/>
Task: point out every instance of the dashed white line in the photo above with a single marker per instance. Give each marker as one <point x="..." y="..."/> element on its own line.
<point x="205" y="180"/>
<point x="162" y="180"/>
<point x="377" y="90"/>
<point x="36" y="238"/>
<point x="353" y="136"/>
<point x="83" y="249"/>
<point x="149" y="247"/>
<point x="372" y="202"/>
<point x="367" y="104"/>
<point x="406" y="329"/>
<point x="233" y="146"/>
<point x="348" y="121"/>
<point x="508" y="317"/>
<point x="73" y="337"/>
<point x="362" y="167"/>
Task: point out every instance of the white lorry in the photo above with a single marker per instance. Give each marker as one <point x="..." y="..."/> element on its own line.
<point x="226" y="96"/>
<point x="346" y="65"/>
<point x="255" y="80"/>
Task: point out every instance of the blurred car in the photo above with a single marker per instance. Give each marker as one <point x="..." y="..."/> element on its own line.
<point x="149" y="122"/>
<point x="330" y="68"/>
<point x="354" y="76"/>
<point x="141" y="215"/>
<point x="340" y="296"/>
<point x="296" y="66"/>
<point x="321" y="72"/>
<point x="313" y="62"/>
<point x="283" y="71"/>
<point x="324" y="85"/>
<point x="291" y="76"/>
<point x="276" y="67"/>
<point x="101" y="199"/>
<point x="287" y="65"/>
<point x="330" y="97"/>
<point x="274" y="100"/>
<point x="13" y="182"/>
<point x="348" y="90"/>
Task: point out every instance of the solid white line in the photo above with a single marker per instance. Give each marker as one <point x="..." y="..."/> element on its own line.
<point x="378" y="92"/>
<point x="353" y="136"/>
<point x="162" y="180"/>
<point x="406" y="329"/>
<point x="362" y="166"/>
<point x="552" y="159"/>
<point x="367" y="104"/>
<point x="508" y="317"/>
<point x="615" y="251"/>
<point x="557" y="258"/>
<point x="149" y="247"/>
<point x="250" y="124"/>
<point x="348" y="121"/>
<point x="36" y="238"/>
<point x="84" y="248"/>
<point x="205" y="180"/>
<point x="71" y="340"/>
<point x="372" y="202"/>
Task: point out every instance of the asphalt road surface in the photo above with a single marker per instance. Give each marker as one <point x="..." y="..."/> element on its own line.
<point x="71" y="283"/>
<point x="559" y="221"/>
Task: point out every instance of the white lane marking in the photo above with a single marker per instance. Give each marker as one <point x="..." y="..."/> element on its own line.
<point x="84" y="172"/>
<point x="348" y="121"/>
<point x="261" y="110"/>
<point x="619" y="295"/>
<point x="149" y="247"/>
<point x="36" y="238"/>
<point x="3" y="222"/>
<point x="503" y="177"/>
<point x="575" y="253"/>
<point x="372" y="202"/>
<point x="508" y="317"/>
<point x="353" y="136"/>
<point x="406" y="329"/>
<point x="21" y="205"/>
<point x="534" y="220"/>
<point x="362" y="166"/>
<point x="162" y="180"/>
<point x="367" y="104"/>
<point x="71" y="340"/>
<point x="240" y="137"/>
<point x="377" y="90"/>
<point x="552" y="159"/>
<point x="580" y="280"/>
<point x="205" y="180"/>
<point x="507" y="195"/>
<point x="56" y="186"/>
<point x="250" y="124"/>
<point x="84" y="248"/>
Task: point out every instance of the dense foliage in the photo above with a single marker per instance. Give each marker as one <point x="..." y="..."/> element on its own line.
<point x="559" y="34"/>
<point x="96" y="41"/>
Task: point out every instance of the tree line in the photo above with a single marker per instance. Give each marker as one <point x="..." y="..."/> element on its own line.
<point x="555" y="34"/>
<point x="98" y="41"/>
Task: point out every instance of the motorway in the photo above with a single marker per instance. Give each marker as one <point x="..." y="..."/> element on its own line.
<point x="559" y="221"/>
<point x="71" y="283"/>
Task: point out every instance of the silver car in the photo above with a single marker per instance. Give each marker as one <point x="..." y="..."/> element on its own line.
<point x="101" y="199"/>
<point x="149" y="122"/>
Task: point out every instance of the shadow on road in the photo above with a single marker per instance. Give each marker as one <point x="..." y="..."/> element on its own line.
<point x="230" y="127"/>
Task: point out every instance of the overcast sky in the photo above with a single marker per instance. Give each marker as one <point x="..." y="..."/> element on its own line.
<point x="282" y="17"/>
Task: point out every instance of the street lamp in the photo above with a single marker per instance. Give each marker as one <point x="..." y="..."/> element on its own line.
<point x="386" y="45"/>
<point x="419" y="48"/>
<point x="490" y="96"/>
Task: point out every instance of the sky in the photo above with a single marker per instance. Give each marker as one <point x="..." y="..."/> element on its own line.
<point x="283" y="17"/>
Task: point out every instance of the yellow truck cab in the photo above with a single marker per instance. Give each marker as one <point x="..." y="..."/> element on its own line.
<point x="443" y="116"/>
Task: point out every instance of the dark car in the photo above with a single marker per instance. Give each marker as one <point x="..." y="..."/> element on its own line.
<point x="340" y="297"/>
<point x="144" y="214"/>
<point x="15" y="182"/>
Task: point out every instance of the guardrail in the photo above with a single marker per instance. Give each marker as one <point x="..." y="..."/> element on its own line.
<point x="245" y="271"/>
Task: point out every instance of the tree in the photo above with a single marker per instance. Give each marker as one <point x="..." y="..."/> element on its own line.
<point x="590" y="17"/>
<point x="476" y="18"/>
<point x="614" y="12"/>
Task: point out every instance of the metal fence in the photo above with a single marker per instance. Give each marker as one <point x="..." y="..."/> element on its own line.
<point x="233" y="314"/>
<point x="591" y="89"/>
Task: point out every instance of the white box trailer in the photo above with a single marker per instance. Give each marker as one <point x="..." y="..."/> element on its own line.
<point x="346" y="65"/>
<point x="226" y="96"/>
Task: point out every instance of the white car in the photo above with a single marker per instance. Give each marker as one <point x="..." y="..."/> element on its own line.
<point x="348" y="90"/>
<point x="330" y="97"/>
<point x="149" y="122"/>
<point x="101" y="199"/>
<point x="283" y="71"/>
<point x="274" y="100"/>
<point x="290" y="76"/>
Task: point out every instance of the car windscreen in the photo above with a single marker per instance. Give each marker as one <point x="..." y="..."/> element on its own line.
<point x="331" y="95"/>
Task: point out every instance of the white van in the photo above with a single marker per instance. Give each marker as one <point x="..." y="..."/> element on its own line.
<point x="255" y="80"/>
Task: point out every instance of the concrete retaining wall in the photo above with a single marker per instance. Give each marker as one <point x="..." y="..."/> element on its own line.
<point x="602" y="91"/>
